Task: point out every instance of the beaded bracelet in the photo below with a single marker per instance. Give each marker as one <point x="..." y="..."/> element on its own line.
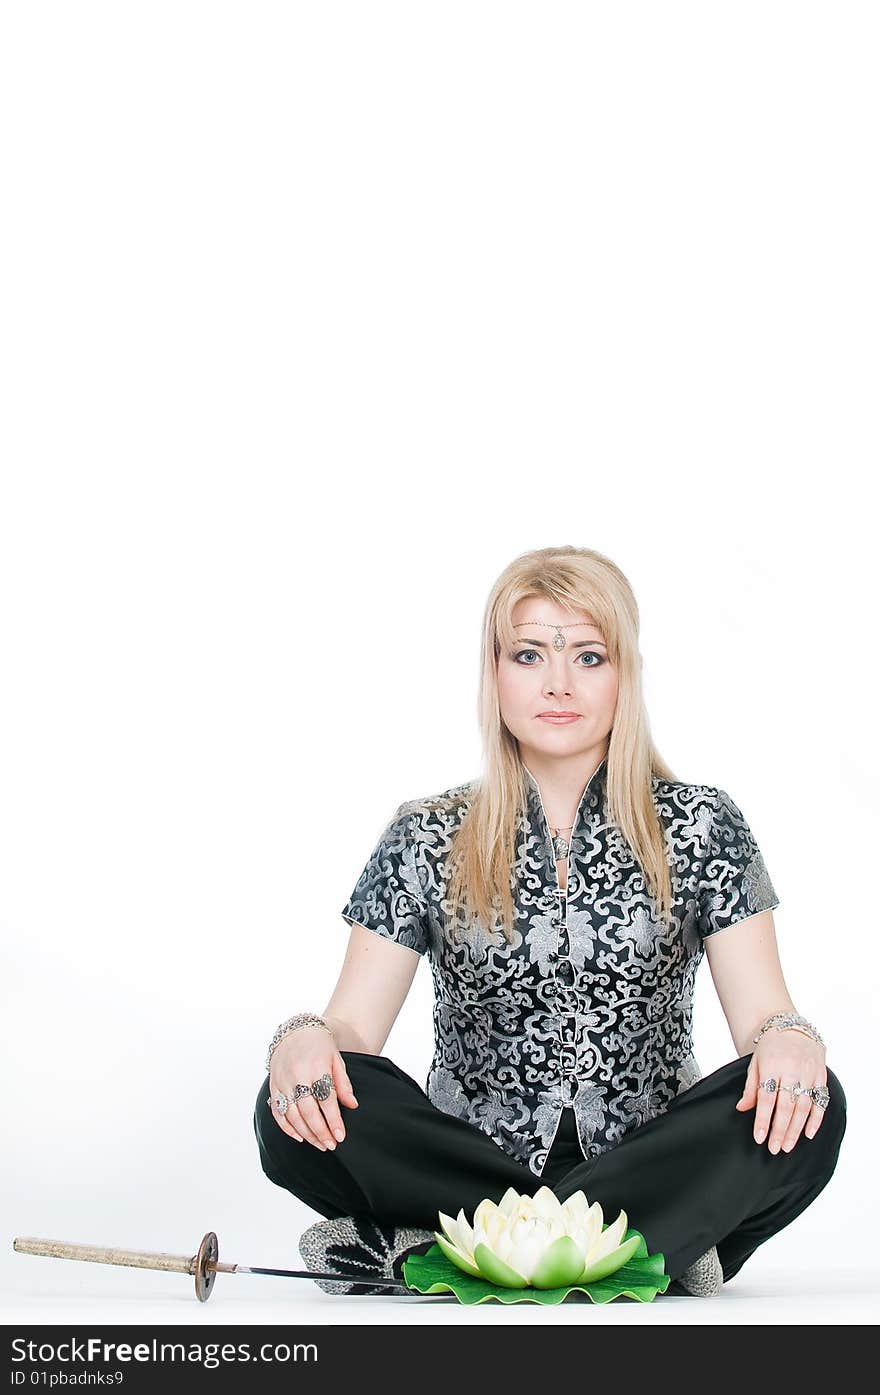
<point x="785" y="1021"/>
<point x="300" y="1019"/>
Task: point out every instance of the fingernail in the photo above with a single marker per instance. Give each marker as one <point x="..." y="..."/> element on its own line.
<point x="339" y="1134"/>
<point x="774" y="1147"/>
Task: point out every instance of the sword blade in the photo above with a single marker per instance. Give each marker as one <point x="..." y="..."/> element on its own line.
<point x="312" y="1274"/>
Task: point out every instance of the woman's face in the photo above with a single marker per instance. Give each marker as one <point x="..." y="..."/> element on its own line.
<point x="533" y="677"/>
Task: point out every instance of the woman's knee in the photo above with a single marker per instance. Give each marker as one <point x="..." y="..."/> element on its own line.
<point x="835" y="1091"/>
<point x="280" y="1154"/>
<point x="835" y="1112"/>
<point x="824" y="1145"/>
<point x="270" y="1137"/>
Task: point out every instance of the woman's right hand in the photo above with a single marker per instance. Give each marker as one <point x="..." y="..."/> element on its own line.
<point x="302" y="1057"/>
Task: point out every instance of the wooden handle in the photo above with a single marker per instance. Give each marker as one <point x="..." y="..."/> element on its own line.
<point x="137" y="1259"/>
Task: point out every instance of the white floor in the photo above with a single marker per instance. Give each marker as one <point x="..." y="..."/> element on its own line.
<point x="45" y="1291"/>
<point x="816" y="1270"/>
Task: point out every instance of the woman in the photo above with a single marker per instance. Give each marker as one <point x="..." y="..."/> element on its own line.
<point x="564" y="902"/>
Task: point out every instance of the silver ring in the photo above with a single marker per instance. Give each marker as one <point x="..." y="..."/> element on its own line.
<point x="282" y="1104"/>
<point x="819" y="1093"/>
<point x="300" y="1091"/>
<point x="322" y="1088"/>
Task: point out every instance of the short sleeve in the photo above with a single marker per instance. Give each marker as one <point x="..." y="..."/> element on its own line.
<point x="387" y="896"/>
<point x="735" y="882"/>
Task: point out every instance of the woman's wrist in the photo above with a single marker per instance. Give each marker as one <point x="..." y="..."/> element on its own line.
<point x="300" y="1019"/>
<point x="788" y="1021"/>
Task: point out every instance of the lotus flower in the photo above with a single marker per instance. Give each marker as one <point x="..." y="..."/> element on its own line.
<point x="536" y="1242"/>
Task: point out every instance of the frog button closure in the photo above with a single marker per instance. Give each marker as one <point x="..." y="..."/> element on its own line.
<point x="565" y="973"/>
<point x="570" y="1088"/>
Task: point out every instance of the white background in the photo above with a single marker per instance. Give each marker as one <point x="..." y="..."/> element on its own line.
<point x="314" y="317"/>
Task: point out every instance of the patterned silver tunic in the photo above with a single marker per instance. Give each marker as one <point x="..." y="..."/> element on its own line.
<point x="591" y="1006"/>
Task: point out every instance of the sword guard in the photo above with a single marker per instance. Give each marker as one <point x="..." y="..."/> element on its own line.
<point x="206" y="1276"/>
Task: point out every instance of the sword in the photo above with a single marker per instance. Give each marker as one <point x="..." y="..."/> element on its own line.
<point x="204" y="1265"/>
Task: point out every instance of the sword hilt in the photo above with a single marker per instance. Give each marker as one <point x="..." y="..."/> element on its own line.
<point x="203" y="1265"/>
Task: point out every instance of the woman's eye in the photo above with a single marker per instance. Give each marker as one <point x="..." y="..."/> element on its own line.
<point x="588" y="655"/>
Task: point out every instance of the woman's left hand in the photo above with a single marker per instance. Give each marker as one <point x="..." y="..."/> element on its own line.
<point x="789" y="1057"/>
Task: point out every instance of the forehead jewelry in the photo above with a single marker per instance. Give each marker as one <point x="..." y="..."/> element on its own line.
<point x="559" y="637"/>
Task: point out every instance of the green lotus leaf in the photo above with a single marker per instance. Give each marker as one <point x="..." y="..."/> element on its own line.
<point x="641" y="1277"/>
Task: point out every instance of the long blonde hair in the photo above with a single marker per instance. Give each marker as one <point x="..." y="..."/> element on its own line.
<point x="483" y="849"/>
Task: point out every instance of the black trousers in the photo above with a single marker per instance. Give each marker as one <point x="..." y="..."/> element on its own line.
<point x="688" y="1178"/>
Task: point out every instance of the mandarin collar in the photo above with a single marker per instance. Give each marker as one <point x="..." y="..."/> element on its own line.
<point x="591" y="796"/>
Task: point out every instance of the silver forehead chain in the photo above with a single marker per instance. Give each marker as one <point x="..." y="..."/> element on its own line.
<point x="559" y="637"/>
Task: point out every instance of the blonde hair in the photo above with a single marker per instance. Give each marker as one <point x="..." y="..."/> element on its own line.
<point x="483" y="850"/>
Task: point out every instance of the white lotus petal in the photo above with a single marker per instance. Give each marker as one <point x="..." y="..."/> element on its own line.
<point x="595" y="1221"/>
<point x="522" y="1228"/>
<point x="590" y="1236"/>
<point x="483" y="1217"/>
<point x="553" y="1228"/>
<point x="616" y="1231"/>
<point x="581" y="1236"/>
<point x="450" y="1229"/>
<point x="502" y="1244"/>
<point x="525" y="1256"/>
<point x="485" y="1209"/>
<point x="509" y="1202"/>
<point x="487" y="1233"/>
<point x="547" y="1203"/>
<point x="493" y="1226"/>
<point x="609" y="1239"/>
<point x="465" y="1233"/>
<point x="467" y="1260"/>
<point x="620" y="1226"/>
<point x="574" y="1208"/>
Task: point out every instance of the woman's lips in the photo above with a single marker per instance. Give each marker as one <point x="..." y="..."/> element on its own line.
<point x="559" y="721"/>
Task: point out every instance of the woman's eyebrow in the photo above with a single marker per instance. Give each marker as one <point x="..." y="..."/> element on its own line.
<point x="541" y="644"/>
